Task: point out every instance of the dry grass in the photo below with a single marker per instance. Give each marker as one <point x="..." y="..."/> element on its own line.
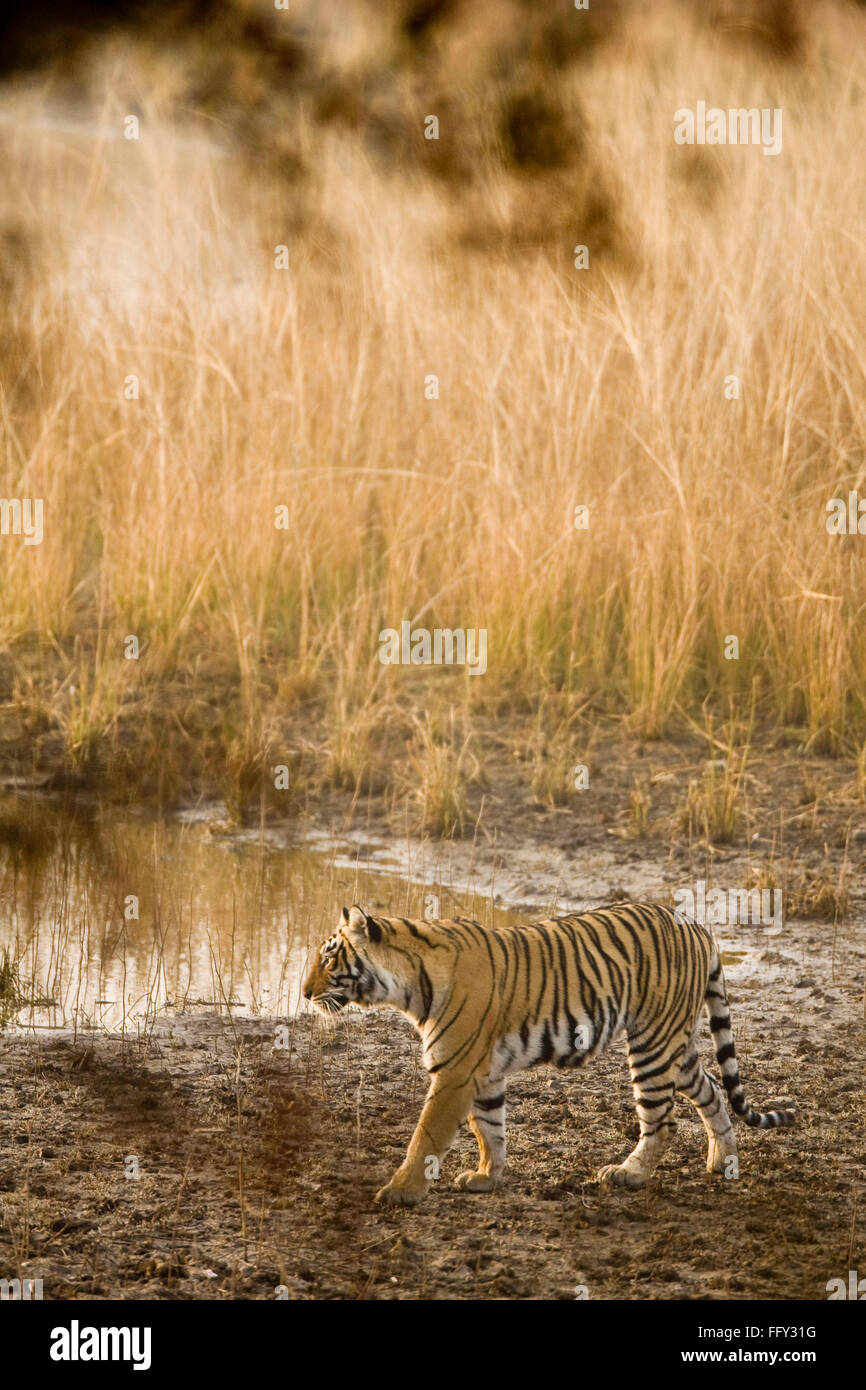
<point x="861" y="774"/>
<point x="640" y="806"/>
<point x="304" y="388"/>
<point x="555" y="755"/>
<point x="822" y="892"/>
<point x="438" y="776"/>
<point x="712" y="809"/>
<point x="11" y="996"/>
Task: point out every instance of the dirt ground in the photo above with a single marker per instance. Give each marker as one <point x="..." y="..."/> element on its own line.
<point x="257" y="1165"/>
<point x="262" y="1175"/>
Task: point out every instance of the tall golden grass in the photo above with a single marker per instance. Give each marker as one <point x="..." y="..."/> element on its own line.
<point x="305" y="388"/>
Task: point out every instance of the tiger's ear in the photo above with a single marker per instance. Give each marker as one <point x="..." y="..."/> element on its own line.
<point x="358" y="920"/>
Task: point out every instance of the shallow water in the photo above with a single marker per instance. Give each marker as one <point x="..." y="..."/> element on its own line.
<point x="108" y="920"/>
<point x="223" y="922"/>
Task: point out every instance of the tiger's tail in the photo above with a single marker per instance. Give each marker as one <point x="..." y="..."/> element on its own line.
<point x="723" y="1039"/>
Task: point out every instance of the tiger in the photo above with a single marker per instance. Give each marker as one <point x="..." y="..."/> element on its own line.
<point x="488" y="1002"/>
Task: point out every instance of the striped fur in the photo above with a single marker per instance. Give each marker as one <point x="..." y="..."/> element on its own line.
<point x="490" y="1002"/>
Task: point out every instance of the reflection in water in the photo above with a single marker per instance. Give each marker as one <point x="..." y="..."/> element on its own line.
<point x="107" y="919"/>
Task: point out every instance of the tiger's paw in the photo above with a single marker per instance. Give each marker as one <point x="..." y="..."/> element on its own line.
<point x="620" y="1176"/>
<point x="395" y="1195"/>
<point x="475" y="1182"/>
<point x="722" y="1156"/>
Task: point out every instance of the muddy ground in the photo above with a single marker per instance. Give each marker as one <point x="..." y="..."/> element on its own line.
<point x="257" y="1166"/>
<point x="263" y="1175"/>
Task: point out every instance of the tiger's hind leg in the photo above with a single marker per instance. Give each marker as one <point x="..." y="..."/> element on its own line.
<point x="654" y="1081"/>
<point x="487" y="1122"/>
<point x="698" y="1086"/>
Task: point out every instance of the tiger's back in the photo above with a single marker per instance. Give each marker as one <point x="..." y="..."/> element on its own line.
<point x="570" y="985"/>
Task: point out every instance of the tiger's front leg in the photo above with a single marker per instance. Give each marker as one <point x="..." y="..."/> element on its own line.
<point x="445" y="1109"/>
<point x="487" y="1122"/>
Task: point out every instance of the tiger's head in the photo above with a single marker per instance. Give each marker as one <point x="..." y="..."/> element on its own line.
<point x="346" y="969"/>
